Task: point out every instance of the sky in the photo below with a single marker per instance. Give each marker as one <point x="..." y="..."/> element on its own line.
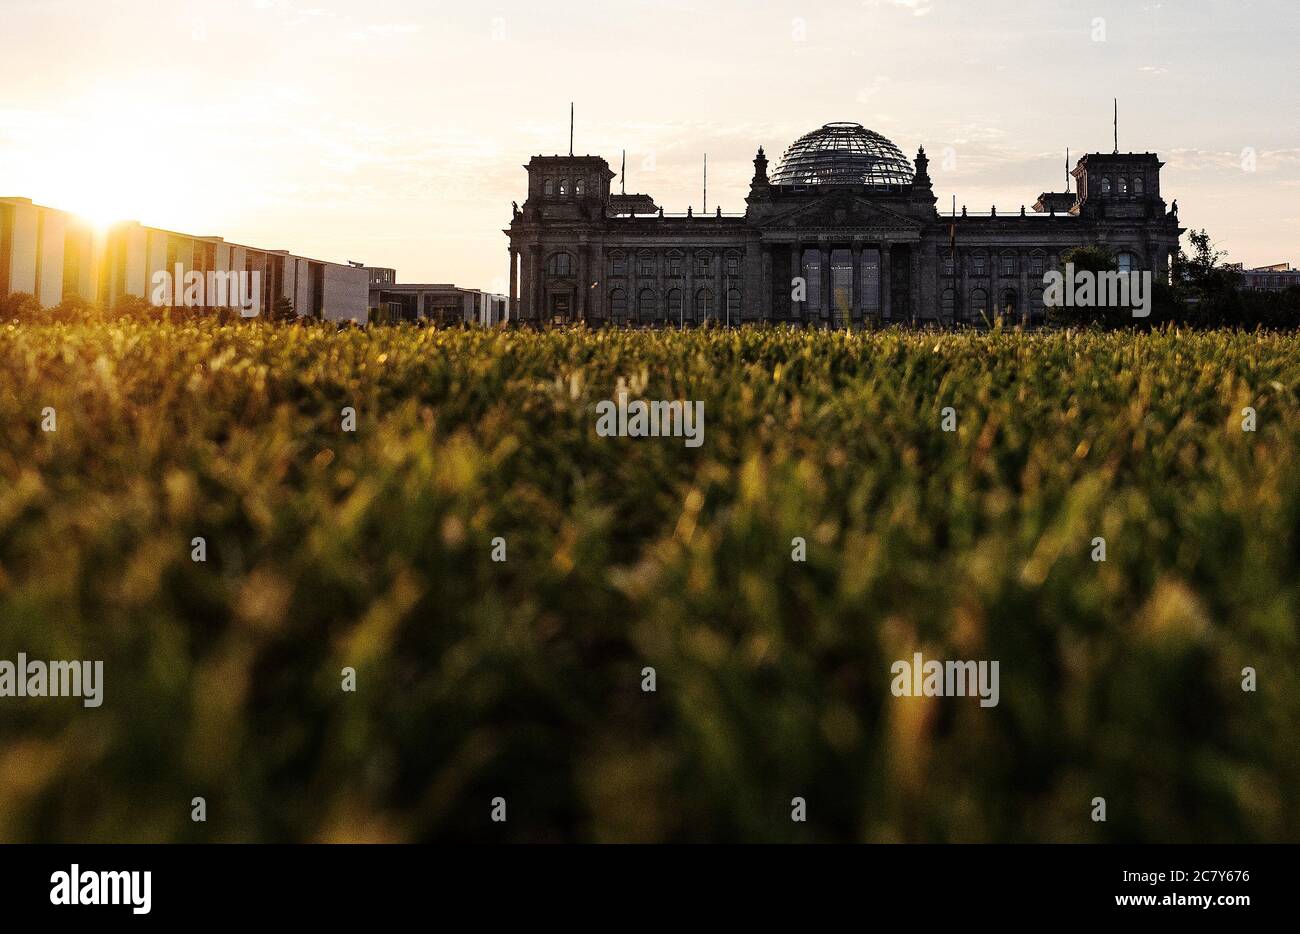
<point x="393" y="132"/>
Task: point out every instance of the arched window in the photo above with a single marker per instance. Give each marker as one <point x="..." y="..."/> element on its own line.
<point x="675" y="263"/>
<point x="564" y="188"/>
<point x="703" y="264"/>
<point x="979" y="304"/>
<point x="645" y="264"/>
<point x="1139" y="185"/>
<point x="561" y="264"/>
<point x="1008" y="263"/>
<point x="1036" y="305"/>
<point x="675" y="306"/>
<point x="949" y="304"/>
<point x="978" y="264"/>
<point x="1008" y="305"/>
<point x="548" y="187"/>
<point x="703" y="305"/>
<point x="733" y="306"/>
<point x="1105" y="185"/>
<point x="618" y="306"/>
<point x="1127" y="262"/>
<point x="1123" y="185"/>
<point x="577" y="187"/>
<point x="647" y="309"/>
<point x="618" y="263"/>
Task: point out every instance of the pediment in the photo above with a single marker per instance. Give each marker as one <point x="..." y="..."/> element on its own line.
<point x="842" y="210"/>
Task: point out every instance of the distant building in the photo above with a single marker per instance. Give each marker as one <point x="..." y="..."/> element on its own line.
<point x="54" y="255"/>
<point x="845" y="216"/>
<point x="436" y="303"/>
<point x="1272" y="278"/>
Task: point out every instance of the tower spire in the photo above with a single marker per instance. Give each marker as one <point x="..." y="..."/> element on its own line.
<point x="570" y="128"/>
<point x="1117" y="126"/>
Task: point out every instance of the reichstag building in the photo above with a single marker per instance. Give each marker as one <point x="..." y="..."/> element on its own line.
<point x="846" y="211"/>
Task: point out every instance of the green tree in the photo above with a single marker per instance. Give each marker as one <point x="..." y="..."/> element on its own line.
<point x="282" y="311"/>
<point x="21" y="307"/>
<point x="1095" y="259"/>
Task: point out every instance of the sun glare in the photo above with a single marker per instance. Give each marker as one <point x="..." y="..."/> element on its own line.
<point x="106" y="175"/>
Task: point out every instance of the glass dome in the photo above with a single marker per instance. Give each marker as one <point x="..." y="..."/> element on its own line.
<point x="843" y="154"/>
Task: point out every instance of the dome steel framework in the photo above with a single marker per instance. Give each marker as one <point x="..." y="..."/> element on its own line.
<point x="843" y="154"/>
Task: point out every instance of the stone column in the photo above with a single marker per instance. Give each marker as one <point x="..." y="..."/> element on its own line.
<point x="1025" y="305"/>
<point x="765" y="284"/>
<point x="824" y="259"/>
<point x="513" y="306"/>
<point x="661" y="298"/>
<point x="796" y="271"/>
<point x="720" y="285"/>
<point x="539" y="292"/>
<point x="582" y="300"/>
<point x="914" y="281"/>
<point x="525" y="285"/>
<point x="886" y="285"/>
<point x="856" y="314"/>
<point x="688" y="288"/>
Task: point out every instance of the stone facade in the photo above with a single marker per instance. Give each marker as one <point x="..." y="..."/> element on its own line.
<point x="868" y="252"/>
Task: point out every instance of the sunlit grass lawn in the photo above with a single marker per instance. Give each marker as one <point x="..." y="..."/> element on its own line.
<point x="523" y="678"/>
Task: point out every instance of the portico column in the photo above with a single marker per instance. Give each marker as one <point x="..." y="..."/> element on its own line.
<point x="720" y="285"/>
<point x="796" y="272"/>
<point x="525" y="287"/>
<point x="765" y="284"/>
<point x="583" y="298"/>
<point x="886" y="299"/>
<point x="1025" y="305"/>
<point x="538" y="301"/>
<point x="825" y="277"/>
<point x="661" y="299"/>
<point x="688" y="300"/>
<point x="914" y="280"/>
<point x="513" y="306"/>
<point x="963" y="297"/>
<point x="856" y="291"/>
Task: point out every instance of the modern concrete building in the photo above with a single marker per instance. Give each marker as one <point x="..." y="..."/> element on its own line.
<point x="436" y="303"/>
<point x="54" y="255"/>
<point x="846" y="215"/>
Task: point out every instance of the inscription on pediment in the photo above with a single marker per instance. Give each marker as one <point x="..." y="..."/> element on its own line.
<point x="847" y="212"/>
